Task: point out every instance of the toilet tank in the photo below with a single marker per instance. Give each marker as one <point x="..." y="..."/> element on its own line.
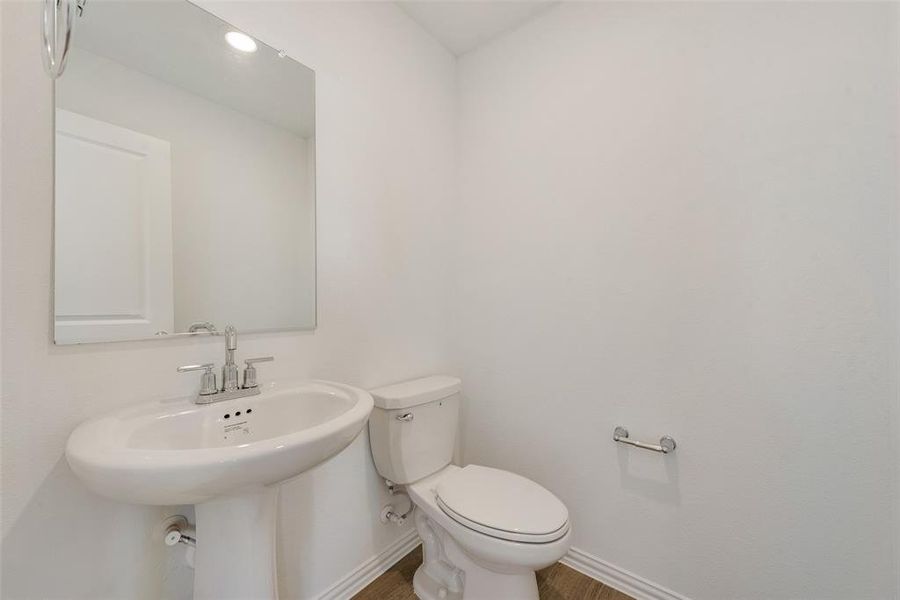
<point x="412" y="428"/>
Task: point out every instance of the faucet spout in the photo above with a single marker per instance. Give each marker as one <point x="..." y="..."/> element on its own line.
<point x="230" y="338"/>
<point x="229" y="369"/>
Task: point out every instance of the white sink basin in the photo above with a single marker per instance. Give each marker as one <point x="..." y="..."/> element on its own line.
<point x="178" y="452"/>
<point x="225" y="458"/>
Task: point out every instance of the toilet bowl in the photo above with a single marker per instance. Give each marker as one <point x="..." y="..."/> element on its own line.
<point x="485" y="531"/>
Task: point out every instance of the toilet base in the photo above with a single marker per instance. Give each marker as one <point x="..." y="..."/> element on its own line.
<point x="448" y="573"/>
<point x="427" y="588"/>
<point x="478" y="587"/>
<point x="484" y="584"/>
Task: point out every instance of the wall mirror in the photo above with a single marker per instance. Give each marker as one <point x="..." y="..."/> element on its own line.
<point x="184" y="180"/>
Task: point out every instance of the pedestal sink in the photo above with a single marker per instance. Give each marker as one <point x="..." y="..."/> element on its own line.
<point x="227" y="459"/>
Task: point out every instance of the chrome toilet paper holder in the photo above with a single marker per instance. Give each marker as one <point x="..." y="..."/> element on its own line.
<point x="666" y="443"/>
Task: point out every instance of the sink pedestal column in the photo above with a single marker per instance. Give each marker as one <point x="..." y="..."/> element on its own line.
<point x="235" y="556"/>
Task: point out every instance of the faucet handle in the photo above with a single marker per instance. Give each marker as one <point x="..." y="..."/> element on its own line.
<point x="253" y="361"/>
<point x="250" y="370"/>
<point x="207" y="381"/>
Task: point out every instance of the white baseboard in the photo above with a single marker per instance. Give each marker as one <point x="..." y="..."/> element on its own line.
<point x="595" y="568"/>
<point x="620" y="579"/>
<point x="369" y="571"/>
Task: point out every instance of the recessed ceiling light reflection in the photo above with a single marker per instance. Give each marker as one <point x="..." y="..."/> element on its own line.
<point x="240" y="41"/>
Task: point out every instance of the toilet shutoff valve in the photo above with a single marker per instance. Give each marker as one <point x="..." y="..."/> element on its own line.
<point x="176" y="530"/>
<point x="389" y="515"/>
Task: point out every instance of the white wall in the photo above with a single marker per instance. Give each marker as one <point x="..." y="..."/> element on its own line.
<point x="385" y="184"/>
<point x="682" y="218"/>
<point x="242" y="212"/>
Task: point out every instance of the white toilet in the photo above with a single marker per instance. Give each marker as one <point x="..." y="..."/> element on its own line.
<point x="484" y="531"/>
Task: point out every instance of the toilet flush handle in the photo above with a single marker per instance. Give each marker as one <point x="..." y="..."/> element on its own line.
<point x="405" y="417"/>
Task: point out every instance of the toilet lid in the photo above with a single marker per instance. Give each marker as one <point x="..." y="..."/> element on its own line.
<point x="502" y="504"/>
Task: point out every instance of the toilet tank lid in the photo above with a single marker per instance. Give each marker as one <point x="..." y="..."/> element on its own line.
<point x="415" y="392"/>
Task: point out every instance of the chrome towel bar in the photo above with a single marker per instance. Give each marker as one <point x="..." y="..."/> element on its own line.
<point x="666" y="443"/>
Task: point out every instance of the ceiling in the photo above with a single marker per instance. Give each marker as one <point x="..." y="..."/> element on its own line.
<point x="183" y="45"/>
<point x="463" y="25"/>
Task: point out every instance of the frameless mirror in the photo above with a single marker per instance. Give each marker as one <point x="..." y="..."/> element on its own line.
<point x="185" y="178"/>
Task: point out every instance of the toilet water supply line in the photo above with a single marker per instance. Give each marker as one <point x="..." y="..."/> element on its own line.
<point x="387" y="513"/>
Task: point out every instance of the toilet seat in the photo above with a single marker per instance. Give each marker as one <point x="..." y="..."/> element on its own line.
<point x="502" y="505"/>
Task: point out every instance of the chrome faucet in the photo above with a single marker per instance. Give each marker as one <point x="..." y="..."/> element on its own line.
<point x="210" y="392"/>
<point x="229" y="369"/>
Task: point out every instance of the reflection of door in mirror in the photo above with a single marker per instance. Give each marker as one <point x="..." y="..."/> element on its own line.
<point x="221" y="230"/>
<point x="114" y="231"/>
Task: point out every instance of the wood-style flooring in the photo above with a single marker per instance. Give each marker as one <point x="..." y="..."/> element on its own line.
<point x="556" y="582"/>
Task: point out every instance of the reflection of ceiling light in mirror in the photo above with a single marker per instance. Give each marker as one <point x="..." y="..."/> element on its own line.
<point x="240" y="41"/>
